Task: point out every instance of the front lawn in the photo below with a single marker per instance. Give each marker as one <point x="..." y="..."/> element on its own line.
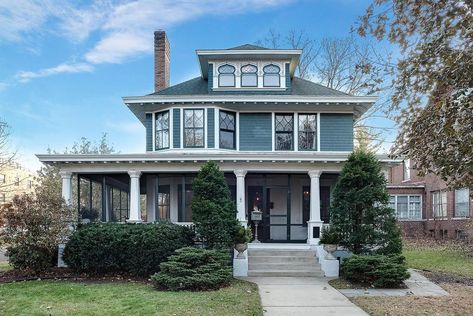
<point x="79" y="298"/>
<point x="447" y="257"/>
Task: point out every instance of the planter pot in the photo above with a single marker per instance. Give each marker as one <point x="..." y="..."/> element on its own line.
<point x="241" y="249"/>
<point x="330" y="248"/>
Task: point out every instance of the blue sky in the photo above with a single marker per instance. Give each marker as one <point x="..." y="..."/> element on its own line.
<point x="64" y="66"/>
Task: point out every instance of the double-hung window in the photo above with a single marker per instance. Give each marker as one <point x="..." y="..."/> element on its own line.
<point x="462" y="202"/>
<point x="226" y="76"/>
<point x="307" y="131"/>
<point x="439" y="203"/>
<point x="227" y="130"/>
<point x="406" y="206"/>
<point x="249" y="76"/>
<point x="162" y="130"/>
<point x="271" y="77"/>
<point x="284" y="132"/>
<point x="193" y="128"/>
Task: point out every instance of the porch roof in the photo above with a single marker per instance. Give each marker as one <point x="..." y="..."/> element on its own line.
<point x="188" y="156"/>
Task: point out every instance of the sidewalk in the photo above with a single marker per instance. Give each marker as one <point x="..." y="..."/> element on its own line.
<point x="302" y="296"/>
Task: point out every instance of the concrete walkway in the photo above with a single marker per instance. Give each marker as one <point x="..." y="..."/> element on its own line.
<point x="418" y="285"/>
<point x="302" y="297"/>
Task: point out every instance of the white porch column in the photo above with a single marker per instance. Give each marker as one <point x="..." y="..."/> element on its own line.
<point x="240" y="196"/>
<point x="66" y="177"/>
<point x="314" y="220"/>
<point x="135" y="211"/>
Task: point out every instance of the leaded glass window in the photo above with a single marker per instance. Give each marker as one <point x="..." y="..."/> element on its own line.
<point x="194" y="128"/>
<point x="271" y="76"/>
<point x="227" y="130"/>
<point x="462" y="202"/>
<point x="249" y="77"/>
<point x="162" y="130"/>
<point x="226" y="76"/>
<point x="307" y="132"/>
<point x="284" y="128"/>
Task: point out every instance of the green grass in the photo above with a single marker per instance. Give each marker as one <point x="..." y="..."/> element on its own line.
<point x="75" y="298"/>
<point x="446" y="258"/>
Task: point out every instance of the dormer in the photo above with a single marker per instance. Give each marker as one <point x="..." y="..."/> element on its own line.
<point x="249" y="68"/>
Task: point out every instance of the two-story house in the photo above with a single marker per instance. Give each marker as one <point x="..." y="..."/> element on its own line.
<point x="280" y="140"/>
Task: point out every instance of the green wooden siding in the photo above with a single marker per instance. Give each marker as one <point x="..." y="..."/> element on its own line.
<point x="255" y="131"/>
<point x="176" y="128"/>
<point x="336" y="132"/>
<point x="149" y="131"/>
<point x="211" y="128"/>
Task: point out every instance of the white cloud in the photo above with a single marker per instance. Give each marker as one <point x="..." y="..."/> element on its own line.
<point x="25" y="76"/>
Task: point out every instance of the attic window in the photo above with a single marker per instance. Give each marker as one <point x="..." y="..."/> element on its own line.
<point x="249" y="76"/>
<point x="226" y="76"/>
<point x="271" y="76"/>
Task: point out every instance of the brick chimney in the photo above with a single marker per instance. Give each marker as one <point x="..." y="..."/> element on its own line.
<point x="162" y="61"/>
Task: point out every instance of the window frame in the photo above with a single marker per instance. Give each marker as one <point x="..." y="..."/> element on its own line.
<point x="184" y="128"/>
<point x="315" y="132"/>
<point x="276" y="132"/>
<point x="409" y="210"/>
<point x="226" y="74"/>
<point x="156" y="131"/>
<point x="271" y="73"/>
<point x="442" y="203"/>
<point x="160" y="204"/>
<point x="255" y="74"/>
<point x="468" y="203"/>
<point x="220" y="129"/>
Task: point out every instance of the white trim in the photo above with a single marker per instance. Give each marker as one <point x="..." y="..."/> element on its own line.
<point x="171" y="128"/>
<point x="295" y="133"/>
<point x="248" y="98"/>
<point x="181" y="113"/>
<point x="153" y="129"/>
<point x="202" y="52"/>
<point x="273" y="131"/>
<point x="237" y="131"/>
<point x="217" y="127"/>
<point x="318" y="131"/>
<point x="206" y="132"/>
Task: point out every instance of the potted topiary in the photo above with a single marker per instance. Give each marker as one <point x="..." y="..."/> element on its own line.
<point x="330" y="241"/>
<point x="243" y="235"/>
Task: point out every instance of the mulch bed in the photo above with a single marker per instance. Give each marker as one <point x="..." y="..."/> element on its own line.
<point x="66" y="274"/>
<point x="439" y="277"/>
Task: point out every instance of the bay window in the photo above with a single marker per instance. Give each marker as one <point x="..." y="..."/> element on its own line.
<point x="284" y="130"/>
<point x="193" y="128"/>
<point x="162" y="130"/>
<point x="227" y="130"/>
<point x="307" y="131"/>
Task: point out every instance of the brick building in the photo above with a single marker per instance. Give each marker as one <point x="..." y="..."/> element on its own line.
<point x="425" y="206"/>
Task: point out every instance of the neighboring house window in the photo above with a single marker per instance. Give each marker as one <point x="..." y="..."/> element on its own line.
<point x="17" y="181"/>
<point x="407" y="169"/>
<point x="2" y="178"/>
<point x="406" y="206"/>
<point x="439" y="203"/>
<point x="3" y="198"/>
<point x="462" y="202"/>
<point x="249" y="77"/>
<point x="226" y="76"/>
<point x="307" y="131"/>
<point x="284" y="128"/>
<point x="194" y="128"/>
<point x="227" y="130"/>
<point x="162" y="130"/>
<point x="164" y="199"/>
<point x="271" y="76"/>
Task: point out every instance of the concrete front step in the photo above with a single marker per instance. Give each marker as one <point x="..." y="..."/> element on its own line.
<point x="281" y="259"/>
<point x="284" y="266"/>
<point x="278" y="252"/>
<point x="284" y="273"/>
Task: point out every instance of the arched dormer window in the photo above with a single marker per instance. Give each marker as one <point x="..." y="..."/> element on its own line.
<point x="249" y="77"/>
<point x="271" y="77"/>
<point x="226" y="76"/>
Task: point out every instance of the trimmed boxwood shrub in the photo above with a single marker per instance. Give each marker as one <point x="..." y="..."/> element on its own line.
<point x="194" y="269"/>
<point x="124" y="248"/>
<point x="378" y="271"/>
